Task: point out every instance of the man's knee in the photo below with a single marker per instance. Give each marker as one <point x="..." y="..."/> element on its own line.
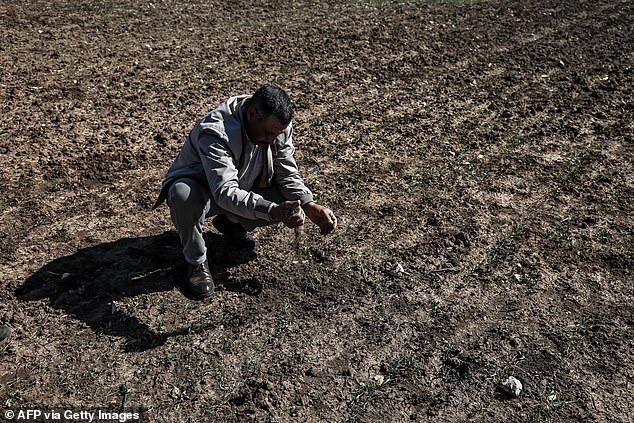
<point x="186" y="192"/>
<point x="179" y="193"/>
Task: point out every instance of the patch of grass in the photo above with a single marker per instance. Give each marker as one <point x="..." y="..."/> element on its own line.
<point x="515" y="141"/>
<point x="12" y="396"/>
<point x="549" y="412"/>
<point x="591" y="324"/>
<point x="364" y="395"/>
<point x="61" y="185"/>
<point x="426" y="177"/>
<point x="396" y="368"/>
<point x="574" y="169"/>
<point x="503" y="248"/>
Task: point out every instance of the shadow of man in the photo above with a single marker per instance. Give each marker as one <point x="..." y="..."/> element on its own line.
<point x="87" y="284"/>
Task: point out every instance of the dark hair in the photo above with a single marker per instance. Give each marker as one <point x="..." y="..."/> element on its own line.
<point x="272" y="100"/>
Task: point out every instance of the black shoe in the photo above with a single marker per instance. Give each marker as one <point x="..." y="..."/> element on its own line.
<point x="234" y="231"/>
<point x="5" y="335"/>
<point x="200" y="284"/>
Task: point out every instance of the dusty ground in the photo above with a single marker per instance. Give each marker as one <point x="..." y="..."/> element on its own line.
<point x="484" y="146"/>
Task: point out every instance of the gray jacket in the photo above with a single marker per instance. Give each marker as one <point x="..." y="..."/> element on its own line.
<point x="212" y="155"/>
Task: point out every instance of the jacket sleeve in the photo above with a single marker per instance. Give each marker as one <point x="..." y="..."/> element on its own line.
<point x="222" y="177"/>
<point x="286" y="173"/>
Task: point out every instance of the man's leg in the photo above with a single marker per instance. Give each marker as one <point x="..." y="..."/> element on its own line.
<point x="189" y="203"/>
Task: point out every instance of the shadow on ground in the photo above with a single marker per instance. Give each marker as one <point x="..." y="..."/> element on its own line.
<point x="85" y="284"/>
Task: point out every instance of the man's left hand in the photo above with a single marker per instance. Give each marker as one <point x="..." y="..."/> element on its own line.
<point x="321" y="216"/>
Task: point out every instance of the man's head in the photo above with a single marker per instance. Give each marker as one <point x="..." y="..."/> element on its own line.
<point x="268" y="113"/>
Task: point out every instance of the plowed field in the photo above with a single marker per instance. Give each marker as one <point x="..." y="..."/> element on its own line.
<point x="478" y="155"/>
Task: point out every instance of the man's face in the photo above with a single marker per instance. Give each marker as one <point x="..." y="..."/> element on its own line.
<point x="265" y="131"/>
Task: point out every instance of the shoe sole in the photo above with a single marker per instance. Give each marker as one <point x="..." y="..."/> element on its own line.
<point x="184" y="289"/>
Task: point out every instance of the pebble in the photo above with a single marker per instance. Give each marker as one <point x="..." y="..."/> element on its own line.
<point x="396" y="271"/>
<point x="511" y="386"/>
<point x="379" y="379"/>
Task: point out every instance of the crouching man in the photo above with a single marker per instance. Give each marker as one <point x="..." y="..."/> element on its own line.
<point x="237" y="166"/>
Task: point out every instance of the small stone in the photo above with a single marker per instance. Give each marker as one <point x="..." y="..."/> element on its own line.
<point x="511" y="387"/>
<point x="396" y="271"/>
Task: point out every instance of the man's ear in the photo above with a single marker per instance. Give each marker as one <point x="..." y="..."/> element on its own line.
<point x="251" y="113"/>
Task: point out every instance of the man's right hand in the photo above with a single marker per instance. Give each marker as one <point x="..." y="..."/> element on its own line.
<point x="289" y="212"/>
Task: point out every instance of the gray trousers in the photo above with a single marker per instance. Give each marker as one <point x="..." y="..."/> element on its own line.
<point x="190" y="203"/>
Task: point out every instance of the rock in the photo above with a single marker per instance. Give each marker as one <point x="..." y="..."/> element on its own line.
<point x="396" y="270"/>
<point x="511" y="387"/>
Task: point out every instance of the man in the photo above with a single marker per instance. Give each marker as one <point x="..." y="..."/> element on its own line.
<point x="237" y="164"/>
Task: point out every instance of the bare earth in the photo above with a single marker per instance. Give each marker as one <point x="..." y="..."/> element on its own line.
<point x="484" y="147"/>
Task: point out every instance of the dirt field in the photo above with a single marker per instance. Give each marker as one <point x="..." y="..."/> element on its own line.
<point x="483" y="147"/>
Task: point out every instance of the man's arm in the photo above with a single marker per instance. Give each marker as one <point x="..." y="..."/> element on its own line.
<point x="286" y="173"/>
<point x="222" y="177"/>
<point x="292" y="186"/>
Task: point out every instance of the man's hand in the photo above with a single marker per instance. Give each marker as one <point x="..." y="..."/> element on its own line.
<point x="322" y="216"/>
<point x="289" y="212"/>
